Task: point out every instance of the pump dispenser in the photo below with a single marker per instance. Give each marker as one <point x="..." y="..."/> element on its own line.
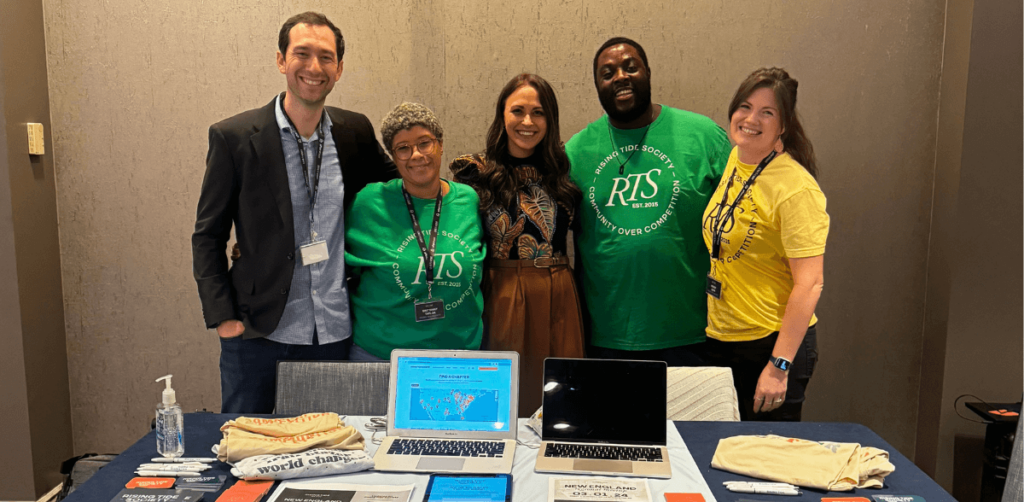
<point x="170" y="440"/>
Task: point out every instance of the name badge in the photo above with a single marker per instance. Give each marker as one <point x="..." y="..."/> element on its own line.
<point x="314" y="252"/>
<point x="714" y="288"/>
<point x="429" y="311"/>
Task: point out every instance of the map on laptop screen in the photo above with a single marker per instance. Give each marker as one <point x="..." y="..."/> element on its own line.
<point x="459" y="394"/>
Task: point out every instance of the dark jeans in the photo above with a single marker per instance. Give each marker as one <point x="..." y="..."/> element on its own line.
<point x="748" y="360"/>
<point x="684" y="355"/>
<point x="248" y="369"/>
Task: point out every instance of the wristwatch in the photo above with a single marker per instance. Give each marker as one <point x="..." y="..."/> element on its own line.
<point x="780" y="363"/>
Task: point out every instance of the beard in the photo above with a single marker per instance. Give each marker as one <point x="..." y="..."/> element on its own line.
<point x="641" y="101"/>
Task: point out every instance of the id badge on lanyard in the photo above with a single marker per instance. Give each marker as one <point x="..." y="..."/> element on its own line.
<point x="316" y="250"/>
<point x="430" y="310"/>
<point x="714" y="286"/>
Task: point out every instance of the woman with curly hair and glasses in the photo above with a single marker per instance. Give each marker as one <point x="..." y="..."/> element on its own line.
<point x="416" y="248"/>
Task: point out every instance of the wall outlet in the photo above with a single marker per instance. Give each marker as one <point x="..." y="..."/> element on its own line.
<point x="36" y="145"/>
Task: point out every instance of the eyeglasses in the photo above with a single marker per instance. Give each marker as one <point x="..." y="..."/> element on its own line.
<point x="425" y="147"/>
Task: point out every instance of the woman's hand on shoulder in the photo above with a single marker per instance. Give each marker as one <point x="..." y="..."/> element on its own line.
<point x="466" y="168"/>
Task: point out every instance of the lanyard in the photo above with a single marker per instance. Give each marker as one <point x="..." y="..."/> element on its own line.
<point x="622" y="165"/>
<point x="428" y="252"/>
<point x="718" y="225"/>
<point x="305" y="165"/>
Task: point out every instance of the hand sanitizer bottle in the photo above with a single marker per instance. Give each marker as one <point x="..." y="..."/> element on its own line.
<point x="170" y="440"/>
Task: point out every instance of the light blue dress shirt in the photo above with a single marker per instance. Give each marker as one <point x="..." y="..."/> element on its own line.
<point x="318" y="297"/>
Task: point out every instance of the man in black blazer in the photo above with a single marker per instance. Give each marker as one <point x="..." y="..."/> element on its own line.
<point x="283" y="175"/>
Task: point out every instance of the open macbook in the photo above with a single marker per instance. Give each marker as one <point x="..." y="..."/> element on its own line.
<point x="451" y="411"/>
<point x="604" y="416"/>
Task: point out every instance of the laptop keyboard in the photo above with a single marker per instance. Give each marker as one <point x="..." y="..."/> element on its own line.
<point x="603" y="452"/>
<point x="445" y="448"/>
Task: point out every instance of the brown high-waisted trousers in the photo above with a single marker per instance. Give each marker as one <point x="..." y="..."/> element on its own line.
<point x="535" y="312"/>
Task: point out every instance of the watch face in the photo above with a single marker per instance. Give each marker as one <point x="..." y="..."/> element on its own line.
<point x="780" y="363"/>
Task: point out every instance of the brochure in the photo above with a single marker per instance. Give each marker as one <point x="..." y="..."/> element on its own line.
<point x="156" y="495"/>
<point x="341" y="492"/>
<point x="598" y="490"/>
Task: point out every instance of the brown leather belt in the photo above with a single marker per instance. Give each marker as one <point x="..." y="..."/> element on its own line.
<point x="542" y="262"/>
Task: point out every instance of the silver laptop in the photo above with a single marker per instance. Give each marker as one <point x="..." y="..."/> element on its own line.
<point x="604" y="416"/>
<point x="451" y="411"/>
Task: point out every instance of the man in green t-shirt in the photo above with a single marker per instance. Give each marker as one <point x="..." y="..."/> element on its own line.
<point x="647" y="172"/>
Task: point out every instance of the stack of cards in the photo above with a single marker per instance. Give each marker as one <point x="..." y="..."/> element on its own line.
<point x="202" y="483"/>
<point x="150" y="483"/>
<point x="246" y="491"/>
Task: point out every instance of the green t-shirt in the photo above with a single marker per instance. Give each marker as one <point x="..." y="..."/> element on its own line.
<point x="382" y="249"/>
<point x="643" y="257"/>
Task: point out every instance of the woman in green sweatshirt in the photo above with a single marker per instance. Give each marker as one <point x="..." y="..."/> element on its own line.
<point x="416" y="247"/>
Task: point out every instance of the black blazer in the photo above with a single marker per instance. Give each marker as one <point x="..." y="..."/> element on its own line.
<point x="246" y="184"/>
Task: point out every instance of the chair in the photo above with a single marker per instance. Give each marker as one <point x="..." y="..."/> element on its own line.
<point x="344" y="387"/>
<point x="1013" y="491"/>
<point x="702" y="394"/>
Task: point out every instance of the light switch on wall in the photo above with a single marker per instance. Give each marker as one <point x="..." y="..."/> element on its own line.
<point x="36" y="146"/>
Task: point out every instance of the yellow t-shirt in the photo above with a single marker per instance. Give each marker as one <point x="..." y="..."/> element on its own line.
<point x="782" y="216"/>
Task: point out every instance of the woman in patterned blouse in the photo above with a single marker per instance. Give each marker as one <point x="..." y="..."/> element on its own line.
<point x="527" y="204"/>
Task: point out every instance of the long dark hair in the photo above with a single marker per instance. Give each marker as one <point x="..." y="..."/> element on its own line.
<point x="794" y="140"/>
<point x="497" y="185"/>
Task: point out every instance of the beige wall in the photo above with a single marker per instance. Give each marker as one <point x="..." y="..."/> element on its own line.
<point x="985" y="342"/>
<point x="18" y="483"/>
<point x="36" y="419"/>
<point x="134" y="86"/>
<point x="944" y="228"/>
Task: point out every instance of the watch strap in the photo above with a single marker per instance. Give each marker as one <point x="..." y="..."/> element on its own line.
<point x="780" y="363"/>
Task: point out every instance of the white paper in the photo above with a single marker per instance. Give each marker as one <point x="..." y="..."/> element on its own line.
<point x="341" y="491"/>
<point x="598" y="490"/>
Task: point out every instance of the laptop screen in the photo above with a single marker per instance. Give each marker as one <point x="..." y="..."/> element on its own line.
<point x="457" y="394"/>
<point x="606" y="401"/>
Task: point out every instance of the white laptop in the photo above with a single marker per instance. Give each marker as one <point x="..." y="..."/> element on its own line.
<point x="604" y="416"/>
<point x="451" y="411"/>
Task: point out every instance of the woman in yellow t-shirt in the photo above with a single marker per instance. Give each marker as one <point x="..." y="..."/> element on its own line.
<point x="766" y="227"/>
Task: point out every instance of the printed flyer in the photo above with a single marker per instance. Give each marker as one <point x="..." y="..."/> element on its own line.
<point x="598" y="490"/>
<point x="338" y="492"/>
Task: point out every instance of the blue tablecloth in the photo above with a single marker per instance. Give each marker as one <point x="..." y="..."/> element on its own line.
<point x="702" y="439"/>
<point x="202" y="432"/>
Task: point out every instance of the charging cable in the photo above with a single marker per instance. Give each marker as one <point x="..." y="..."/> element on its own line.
<point x="375" y="425"/>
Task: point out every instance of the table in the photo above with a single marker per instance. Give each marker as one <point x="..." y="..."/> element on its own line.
<point x="702" y="439"/>
<point x="202" y="431"/>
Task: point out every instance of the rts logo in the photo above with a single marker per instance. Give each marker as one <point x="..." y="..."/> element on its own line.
<point x="440" y="260"/>
<point x="634" y="181"/>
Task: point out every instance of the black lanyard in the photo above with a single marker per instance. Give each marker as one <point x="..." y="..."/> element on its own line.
<point x="428" y="252"/>
<point x="622" y="165"/>
<point x="718" y="225"/>
<point x="305" y="164"/>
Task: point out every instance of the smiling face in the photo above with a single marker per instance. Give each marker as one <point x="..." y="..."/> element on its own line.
<point x="421" y="173"/>
<point x="755" y="126"/>
<point x="311" y="64"/>
<point x="623" y="83"/>
<point x="525" y="121"/>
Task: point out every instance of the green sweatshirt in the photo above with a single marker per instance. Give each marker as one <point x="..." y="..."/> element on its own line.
<point x="382" y="249"/>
